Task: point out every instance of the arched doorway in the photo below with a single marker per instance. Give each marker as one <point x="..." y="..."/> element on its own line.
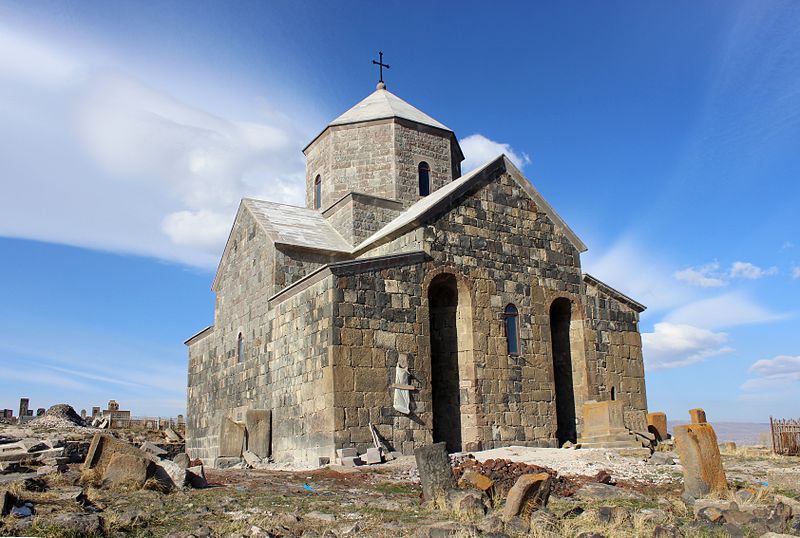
<point x="560" y="317"/>
<point x="445" y="379"/>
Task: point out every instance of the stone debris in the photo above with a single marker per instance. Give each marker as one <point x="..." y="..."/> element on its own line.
<point x="153" y="449"/>
<point x="59" y="416"/>
<point x="784" y="479"/>
<point x="127" y="470"/>
<point x="250" y="458"/>
<point x="504" y="474"/>
<point x="182" y="459"/>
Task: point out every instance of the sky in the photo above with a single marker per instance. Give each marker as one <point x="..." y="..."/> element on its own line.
<point x="666" y="134"/>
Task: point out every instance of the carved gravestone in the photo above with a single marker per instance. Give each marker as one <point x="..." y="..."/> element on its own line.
<point x="258" y="424"/>
<point x="657" y="425"/>
<point x="700" y="459"/>
<point x="435" y="473"/>
<point x="231" y="438"/>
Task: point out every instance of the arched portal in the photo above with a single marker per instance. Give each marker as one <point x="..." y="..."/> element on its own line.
<point x="445" y="378"/>
<point x="560" y="317"/>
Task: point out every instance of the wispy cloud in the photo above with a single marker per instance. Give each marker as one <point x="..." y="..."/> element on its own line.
<point x="705" y="276"/>
<point x="727" y="310"/>
<point x="671" y="345"/>
<point x="478" y="149"/>
<point x="780" y="371"/>
<point x="749" y="271"/>
<point x="796" y="272"/>
<point x="106" y="160"/>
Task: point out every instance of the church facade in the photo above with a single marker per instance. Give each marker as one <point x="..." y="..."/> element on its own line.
<point x="405" y="296"/>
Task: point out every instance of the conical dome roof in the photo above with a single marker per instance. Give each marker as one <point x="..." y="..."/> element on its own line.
<point x="382" y="104"/>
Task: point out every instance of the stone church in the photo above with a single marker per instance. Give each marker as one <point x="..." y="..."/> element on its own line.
<point x="430" y="305"/>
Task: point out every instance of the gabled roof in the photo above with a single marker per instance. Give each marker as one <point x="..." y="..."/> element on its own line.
<point x="440" y="198"/>
<point x="382" y="104"/>
<point x="289" y="225"/>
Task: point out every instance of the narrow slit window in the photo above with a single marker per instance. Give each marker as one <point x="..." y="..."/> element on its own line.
<point x="424" y="178"/>
<point x="511" y="325"/>
<point x="318" y="192"/>
<point x="240" y="348"/>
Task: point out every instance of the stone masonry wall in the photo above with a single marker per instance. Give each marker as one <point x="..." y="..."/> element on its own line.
<point x="503" y="250"/>
<point x="379" y="158"/>
<point x="218" y="384"/>
<point x="614" y="337"/>
<point x="359" y="216"/>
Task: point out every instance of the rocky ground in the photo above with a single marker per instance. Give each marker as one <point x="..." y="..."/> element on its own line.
<point x="591" y="493"/>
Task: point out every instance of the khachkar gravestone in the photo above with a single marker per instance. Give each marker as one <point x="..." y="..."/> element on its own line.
<point x="435" y="473"/>
<point x="700" y="458"/>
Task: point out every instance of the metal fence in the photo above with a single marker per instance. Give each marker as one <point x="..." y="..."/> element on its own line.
<point x="785" y="436"/>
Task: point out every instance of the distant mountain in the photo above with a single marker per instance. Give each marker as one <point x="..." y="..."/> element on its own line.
<point x="741" y="433"/>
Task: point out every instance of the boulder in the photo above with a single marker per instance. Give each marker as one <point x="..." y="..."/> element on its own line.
<point x="127" y="470"/>
<point x="529" y="492"/>
<point x="7" y="500"/>
<point x="434" y="469"/>
<point x="700" y="459"/>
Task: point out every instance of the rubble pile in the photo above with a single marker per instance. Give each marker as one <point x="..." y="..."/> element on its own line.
<point x="59" y="416"/>
<point x="504" y="474"/>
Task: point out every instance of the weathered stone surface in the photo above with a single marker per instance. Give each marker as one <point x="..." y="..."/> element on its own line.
<point x="153" y="449"/>
<point x="127" y="470"/>
<point x="170" y="474"/>
<point x="593" y="491"/>
<point x="700" y="459"/>
<point x="182" y="459"/>
<point x="719" y="504"/>
<point x="258" y="423"/>
<point x="657" y="425"/>
<point x="196" y="477"/>
<point x="104" y="446"/>
<point x="697" y="416"/>
<point x="467" y="502"/>
<point x="784" y="479"/>
<point x="372" y="456"/>
<point x="7" y="501"/>
<point x="81" y="524"/>
<point x="435" y="473"/>
<point x="530" y="491"/>
<point x="250" y="458"/>
<point x="474" y="479"/>
<point x="231" y="439"/>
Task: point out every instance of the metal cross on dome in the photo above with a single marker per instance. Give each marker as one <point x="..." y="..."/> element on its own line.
<point x="380" y="65"/>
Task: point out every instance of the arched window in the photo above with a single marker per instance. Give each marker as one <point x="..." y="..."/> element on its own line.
<point x="511" y="325"/>
<point x="240" y="348"/>
<point x="424" y="178"/>
<point x="318" y="192"/>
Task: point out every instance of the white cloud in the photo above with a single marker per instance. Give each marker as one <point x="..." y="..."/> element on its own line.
<point x="796" y="272"/>
<point x="705" y="276"/>
<point x="639" y="272"/>
<point x="103" y="160"/>
<point x="726" y="310"/>
<point x="773" y="373"/>
<point x="672" y="345"/>
<point x="478" y="149"/>
<point x="749" y="271"/>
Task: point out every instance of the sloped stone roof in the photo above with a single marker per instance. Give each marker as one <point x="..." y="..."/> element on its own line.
<point x="296" y="226"/>
<point x="383" y="104"/>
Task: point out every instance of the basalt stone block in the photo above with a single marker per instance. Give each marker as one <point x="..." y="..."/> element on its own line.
<point x="258" y="423"/>
<point x="700" y="458"/>
<point x="435" y="473"/>
<point x="127" y="470"/>
<point x="104" y="446"/>
<point x="231" y="438"/>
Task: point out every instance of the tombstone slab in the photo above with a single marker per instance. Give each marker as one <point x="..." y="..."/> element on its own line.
<point x="102" y="449"/>
<point x="529" y="491"/>
<point x="258" y="423"/>
<point x="231" y="439"/>
<point x="657" y="425"/>
<point x="153" y="449"/>
<point x="697" y="415"/>
<point x="700" y="459"/>
<point x="435" y="473"/>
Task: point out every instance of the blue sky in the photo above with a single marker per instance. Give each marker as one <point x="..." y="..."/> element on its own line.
<point x="666" y="135"/>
